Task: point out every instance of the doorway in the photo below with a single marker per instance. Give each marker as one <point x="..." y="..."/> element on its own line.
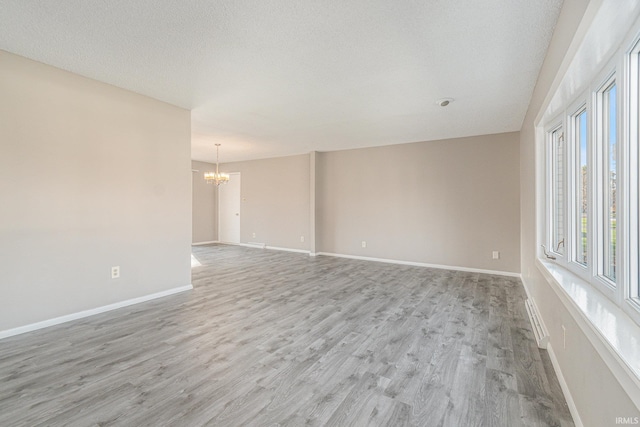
<point x="229" y="210"/>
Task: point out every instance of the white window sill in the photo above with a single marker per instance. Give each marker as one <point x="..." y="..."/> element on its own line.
<point x="612" y="332"/>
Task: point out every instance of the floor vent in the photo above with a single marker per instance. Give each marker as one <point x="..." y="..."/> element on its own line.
<point x="542" y="337"/>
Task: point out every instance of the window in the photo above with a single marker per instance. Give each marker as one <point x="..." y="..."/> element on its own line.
<point x="609" y="178"/>
<point x="633" y="165"/>
<point x="581" y="187"/>
<point x="557" y="191"/>
<point x="588" y="188"/>
<point x="593" y="183"/>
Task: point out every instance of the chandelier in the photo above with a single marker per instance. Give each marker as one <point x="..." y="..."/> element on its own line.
<point x="216" y="177"/>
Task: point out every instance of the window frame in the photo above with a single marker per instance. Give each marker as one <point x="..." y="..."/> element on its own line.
<point x="581" y="103"/>
<point x="630" y="294"/>
<point x="558" y="124"/>
<point x="599" y="201"/>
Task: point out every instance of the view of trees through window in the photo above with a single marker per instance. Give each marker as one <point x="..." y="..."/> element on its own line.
<point x="582" y="190"/>
<point x="609" y="151"/>
<point x="557" y="197"/>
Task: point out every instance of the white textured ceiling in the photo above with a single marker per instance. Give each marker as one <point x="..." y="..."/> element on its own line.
<point x="277" y="77"/>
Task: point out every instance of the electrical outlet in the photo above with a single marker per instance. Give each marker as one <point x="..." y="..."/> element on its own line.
<point x="253" y="235"/>
<point x="301" y="239"/>
<point x="496" y="254"/>
<point x="115" y="272"/>
<point x="564" y="337"/>
<point x="364" y="244"/>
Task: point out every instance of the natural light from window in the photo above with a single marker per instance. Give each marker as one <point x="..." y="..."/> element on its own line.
<point x="581" y="230"/>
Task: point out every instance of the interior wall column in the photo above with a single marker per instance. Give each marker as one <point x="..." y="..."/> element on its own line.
<point x="312" y="203"/>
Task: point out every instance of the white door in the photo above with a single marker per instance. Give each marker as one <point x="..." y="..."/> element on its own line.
<point x="229" y="210"/>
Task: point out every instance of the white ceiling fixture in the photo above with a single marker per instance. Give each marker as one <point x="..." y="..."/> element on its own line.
<point x="272" y="78"/>
<point x="216" y="177"/>
<point x="444" y="102"/>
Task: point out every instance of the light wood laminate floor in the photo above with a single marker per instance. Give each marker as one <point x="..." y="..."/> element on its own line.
<point x="270" y="338"/>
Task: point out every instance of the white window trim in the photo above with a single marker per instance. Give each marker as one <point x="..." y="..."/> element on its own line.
<point x="630" y="296"/>
<point x="606" y="285"/>
<point x="558" y="124"/>
<point x="582" y="103"/>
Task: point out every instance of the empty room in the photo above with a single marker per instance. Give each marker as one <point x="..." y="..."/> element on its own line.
<point x="320" y="213"/>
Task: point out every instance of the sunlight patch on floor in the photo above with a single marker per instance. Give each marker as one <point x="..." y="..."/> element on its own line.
<point x="194" y="262"/>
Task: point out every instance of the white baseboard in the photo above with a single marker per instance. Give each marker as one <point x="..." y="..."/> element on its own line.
<point x="253" y="245"/>
<point x="204" y="243"/>
<point x="86" y="313"/>
<point x="274" y="248"/>
<point x="422" y="264"/>
<point x="565" y="388"/>
<point x="526" y="287"/>
<point x="301" y="251"/>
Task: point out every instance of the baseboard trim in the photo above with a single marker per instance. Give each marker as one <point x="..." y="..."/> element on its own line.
<point x="565" y="388"/>
<point x="205" y="243"/>
<point x="422" y="264"/>
<point x="300" y="251"/>
<point x="385" y="260"/>
<point x="259" y="245"/>
<point x="86" y="313"/>
<point x="252" y="245"/>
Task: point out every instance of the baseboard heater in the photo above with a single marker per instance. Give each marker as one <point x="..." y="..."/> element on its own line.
<point x="542" y="337"/>
<point x="256" y="245"/>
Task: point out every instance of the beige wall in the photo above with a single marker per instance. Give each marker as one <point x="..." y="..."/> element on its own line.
<point x="598" y="396"/>
<point x="204" y="209"/>
<point x="91" y="176"/>
<point x="449" y="202"/>
<point x="275" y="200"/>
